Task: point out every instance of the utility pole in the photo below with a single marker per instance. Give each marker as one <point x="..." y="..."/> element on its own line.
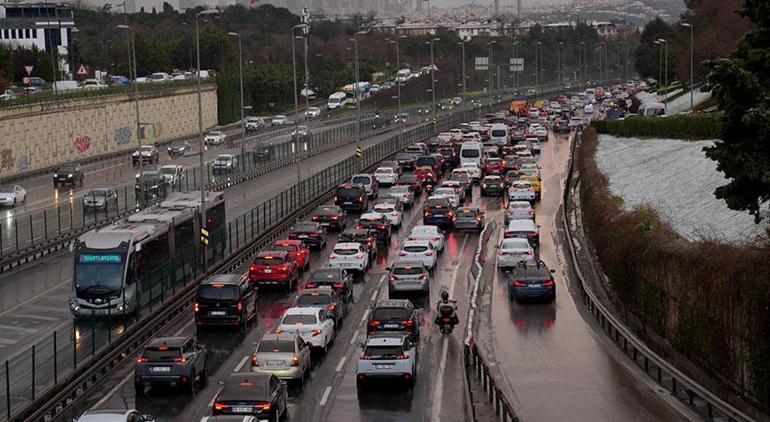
<point x="692" y="47"/>
<point x="306" y="32"/>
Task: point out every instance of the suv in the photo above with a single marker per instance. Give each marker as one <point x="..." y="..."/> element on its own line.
<point x="257" y="393"/>
<point x="68" y="174"/>
<point x="408" y="277"/>
<point x="225" y="299"/>
<point x="146" y="154"/>
<point x="369" y="182"/>
<point x="438" y="211"/>
<point x="330" y="216"/>
<point x="150" y="187"/>
<point x="224" y="163"/>
<point x="394" y="315"/>
<point x="254" y="124"/>
<point x="532" y="280"/>
<point x="274" y="268"/>
<point x="351" y="196"/>
<point x="336" y="278"/>
<point x="429" y="161"/>
<point x="378" y="223"/>
<point x="173" y="361"/>
<point x="310" y="233"/>
<point x="387" y="356"/>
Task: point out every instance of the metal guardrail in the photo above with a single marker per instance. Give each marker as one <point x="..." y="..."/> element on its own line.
<point x="655" y="366"/>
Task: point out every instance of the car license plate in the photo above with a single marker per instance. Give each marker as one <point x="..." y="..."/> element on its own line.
<point x="535" y="285"/>
<point x="275" y="363"/>
<point x="217" y="313"/>
<point x="241" y="409"/>
<point x="160" y="369"/>
<point x="268" y="270"/>
<point x="348" y="202"/>
<point x="390" y="326"/>
<point x="381" y="366"/>
<point x="303" y="236"/>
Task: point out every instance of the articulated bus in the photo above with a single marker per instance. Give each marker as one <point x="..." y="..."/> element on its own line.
<point x="110" y="260"/>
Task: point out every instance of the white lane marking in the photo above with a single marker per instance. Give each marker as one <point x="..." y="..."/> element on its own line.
<point x="354" y="338"/>
<point x="113" y="390"/>
<point x="374" y="295"/>
<point x="241" y="363"/>
<point x="438" y="392"/>
<point x="211" y="403"/>
<point x="364" y="316"/>
<point x="184" y="327"/>
<point x="341" y="364"/>
<point x="325" y="397"/>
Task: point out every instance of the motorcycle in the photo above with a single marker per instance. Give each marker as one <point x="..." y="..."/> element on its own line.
<point x="446" y="319"/>
<point x="429" y="188"/>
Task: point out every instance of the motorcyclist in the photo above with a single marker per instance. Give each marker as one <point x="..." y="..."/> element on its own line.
<point x="442" y="309"/>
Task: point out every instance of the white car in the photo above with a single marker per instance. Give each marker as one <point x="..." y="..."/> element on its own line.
<point x="531" y="168"/>
<point x="10" y="195"/>
<point x="387" y="356"/>
<point x="474" y="172"/>
<point x="513" y="250"/>
<point x="535" y="147"/>
<point x="386" y="176"/>
<point x="475" y="126"/>
<point x="93" y="84"/>
<point x="542" y="133"/>
<point x="349" y="256"/>
<point x="172" y="173"/>
<point x="312" y="112"/>
<point x="456" y="134"/>
<point x="391" y="211"/>
<point x="521" y="190"/>
<point x="448" y="193"/>
<point x="279" y="120"/>
<point x="403" y="194"/>
<point x="314" y="325"/>
<point x="444" y="137"/>
<point x="518" y="210"/>
<point x="457" y="185"/>
<point x="215" y="137"/>
<point x="419" y="250"/>
<point x="430" y="233"/>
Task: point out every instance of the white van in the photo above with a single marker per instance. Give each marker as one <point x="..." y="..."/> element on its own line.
<point x="498" y="134"/>
<point x="62" y="86"/>
<point x="652" y="110"/>
<point x="471" y="152"/>
<point x="337" y="100"/>
<point x="160" y="77"/>
<point x="403" y="75"/>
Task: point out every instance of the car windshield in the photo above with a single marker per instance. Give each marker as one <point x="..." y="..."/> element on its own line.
<point x="66" y="169"/>
<point x="423" y="231"/>
<point x="96" y="193"/>
<point x="399" y="189"/>
<point x="437" y="203"/>
<point x="390" y="313"/>
<point x="415" y="248"/>
<point x="384" y="171"/>
<point x="325" y="275"/>
<point x="275" y="346"/>
<point x="345" y="251"/>
<point x="383" y="352"/>
<point x="519" y="206"/>
<point x="498" y="132"/>
<point x="99" y="270"/>
<point x="313" y="299"/>
<point x="284" y="247"/>
<point x="299" y="319"/>
<point x="147" y="148"/>
<point x="268" y="260"/>
<point x="348" y="192"/>
<point x="364" y="180"/>
<point x="407" y="270"/>
<point x="6" y="189"/>
<point x="326" y="211"/>
<point x="178" y="145"/>
<point x="217" y="292"/>
<point x="467" y="213"/>
<point x="384" y="208"/>
<point x="305" y="227"/>
<point x="168" y="170"/>
<point x="161" y="354"/>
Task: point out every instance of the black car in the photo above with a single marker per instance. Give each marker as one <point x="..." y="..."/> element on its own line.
<point x="178" y="148"/>
<point x="68" y="174"/>
<point x="450" y="155"/>
<point x="336" y="278"/>
<point x="263" y="153"/>
<point x="561" y="126"/>
<point x="406" y="160"/>
<point x="351" y="196"/>
<point x="252" y="393"/>
<point x="225" y="299"/>
<point x="171" y="361"/>
<point x="430" y="161"/>
<point x="438" y="212"/>
<point x="378" y="223"/>
<point x="532" y="280"/>
<point x="331" y="216"/>
<point x="150" y="187"/>
<point x="394" y="315"/>
<point x="411" y="180"/>
<point x="366" y="237"/>
<point x="492" y="186"/>
<point x="310" y="233"/>
<point x="327" y="299"/>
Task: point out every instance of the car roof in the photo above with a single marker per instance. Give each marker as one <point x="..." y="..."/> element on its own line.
<point x="407" y="263"/>
<point x="265" y="254"/>
<point x="415" y="242"/>
<point x="395" y="303"/>
<point x="223" y="279"/>
<point x="347" y="245"/>
<point x="168" y="341"/>
<point x="270" y="336"/>
<point x="524" y="224"/>
<point x="385" y="340"/>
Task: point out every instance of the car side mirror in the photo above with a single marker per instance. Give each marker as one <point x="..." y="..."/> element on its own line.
<point x="553" y="271"/>
<point x="387" y="268"/>
<point x="148" y="418"/>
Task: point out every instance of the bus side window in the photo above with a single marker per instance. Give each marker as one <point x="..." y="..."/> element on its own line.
<point x="131" y="272"/>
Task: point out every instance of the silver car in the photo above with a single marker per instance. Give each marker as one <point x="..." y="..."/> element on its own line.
<point x="408" y="277"/>
<point x="404" y="194"/>
<point x="286" y="356"/>
<point x="114" y="415"/>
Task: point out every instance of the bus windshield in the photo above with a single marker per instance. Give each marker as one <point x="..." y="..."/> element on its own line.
<point x="104" y="271"/>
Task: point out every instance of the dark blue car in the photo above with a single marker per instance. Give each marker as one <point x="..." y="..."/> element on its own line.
<point x="438" y="212"/>
<point x="532" y="280"/>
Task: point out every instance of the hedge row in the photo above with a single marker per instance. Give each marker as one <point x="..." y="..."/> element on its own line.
<point x="710" y="301"/>
<point x="683" y="126"/>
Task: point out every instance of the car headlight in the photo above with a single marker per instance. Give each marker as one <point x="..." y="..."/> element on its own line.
<point x="55" y="175"/>
<point x="69" y="175"/>
<point x="74" y="306"/>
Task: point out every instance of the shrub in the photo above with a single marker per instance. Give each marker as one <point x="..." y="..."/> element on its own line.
<point x="683" y="126"/>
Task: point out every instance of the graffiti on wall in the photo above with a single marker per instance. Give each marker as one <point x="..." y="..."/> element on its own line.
<point x="82" y="143"/>
<point x="6" y="160"/>
<point x="23" y="163"/>
<point x="122" y="135"/>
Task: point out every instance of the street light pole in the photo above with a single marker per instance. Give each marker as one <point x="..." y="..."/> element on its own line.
<point x="132" y="59"/>
<point x="296" y="103"/>
<point x="240" y="73"/>
<point x="462" y="45"/>
<point x="398" y="67"/>
<point x="538" y="65"/>
<point x="664" y="46"/>
<point x="490" y="43"/>
<point x="692" y="46"/>
<point x="660" y="62"/>
<point x="201" y="146"/>
<point x="433" y="83"/>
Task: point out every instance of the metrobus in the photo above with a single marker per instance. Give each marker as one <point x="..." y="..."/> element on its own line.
<point x="152" y="246"/>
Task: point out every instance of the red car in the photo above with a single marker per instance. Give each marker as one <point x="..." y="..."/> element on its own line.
<point x="425" y="175"/>
<point x="274" y="268"/>
<point x="494" y="166"/>
<point x="297" y="250"/>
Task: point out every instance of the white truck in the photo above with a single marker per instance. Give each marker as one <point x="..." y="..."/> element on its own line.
<point x="337" y="100"/>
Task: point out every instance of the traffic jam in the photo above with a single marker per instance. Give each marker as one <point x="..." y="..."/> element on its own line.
<point x="373" y="271"/>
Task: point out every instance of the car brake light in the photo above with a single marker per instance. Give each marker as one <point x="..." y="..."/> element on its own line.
<point x="221" y="406"/>
<point x="359" y="256"/>
<point x="392" y="278"/>
<point x="295" y="361"/>
<point x="316" y="332"/>
<point x="239" y="306"/>
<point x="374" y="323"/>
<point x="315" y="218"/>
<point x="402" y="253"/>
<point x="532" y="234"/>
<point x="445" y="320"/>
<point x="427" y="213"/>
<point x="284" y="267"/>
<point x="402" y="357"/>
<point x="334" y="217"/>
<point x="265" y="406"/>
<point x="381" y="227"/>
<point x="365" y="357"/>
<point x="450" y="213"/>
<point x="518" y="283"/>
<point x="436" y="239"/>
<point x="310" y="285"/>
<point x="332" y="256"/>
<point x="181" y="360"/>
<point x="508" y="234"/>
<point x="254" y="360"/>
<point x="338" y="285"/>
<point x="335" y="198"/>
<point x="331" y="308"/>
<point x="253" y="268"/>
<point x="394" y="213"/>
<point x="196" y="307"/>
<point x="408" y="323"/>
<point x="548" y="283"/>
<point x="360" y="198"/>
<point x="423" y="277"/>
<point x="142" y="359"/>
<point x="428" y="253"/>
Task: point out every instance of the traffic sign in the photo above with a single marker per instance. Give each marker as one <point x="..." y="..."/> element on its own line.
<point x="82" y="71"/>
<point x="482" y="63"/>
<point x="204" y="236"/>
<point x="435" y="120"/>
<point x="29" y="69"/>
<point x="517" y="65"/>
<point x="359" y="152"/>
<point x="25" y="80"/>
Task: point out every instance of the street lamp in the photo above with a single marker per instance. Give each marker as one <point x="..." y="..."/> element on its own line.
<point x="398" y="68"/>
<point x="489" y="64"/>
<point x="664" y="45"/>
<point x="538" y="64"/>
<point x="296" y="101"/>
<point x="201" y="146"/>
<point x="515" y="73"/>
<point x="356" y="89"/>
<point x="560" y="63"/>
<point x="240" y="75"/>
<point x="132" y="59"/>
<point x="462" y="45"/>
<point x="692" y="45"/>
<point x="433" y="81"/>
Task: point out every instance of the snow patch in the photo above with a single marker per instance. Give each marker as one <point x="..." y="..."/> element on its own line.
<point x="676" y="179"/>
<point x="682" y="104"/>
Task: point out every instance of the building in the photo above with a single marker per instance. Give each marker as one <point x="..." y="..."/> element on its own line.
<point x="605" y="29"/>
<point x="47" y="26"/>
